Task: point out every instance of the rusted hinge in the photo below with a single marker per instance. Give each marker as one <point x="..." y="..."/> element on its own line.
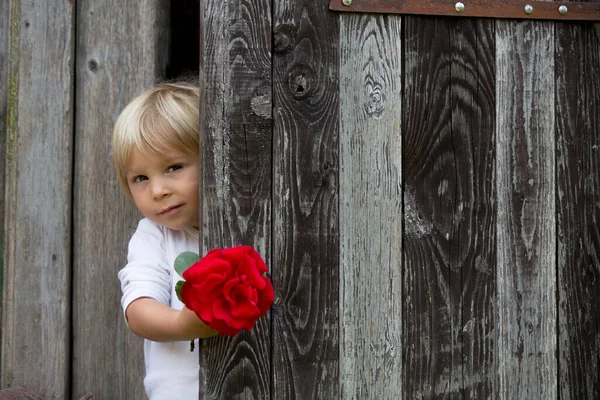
<point x="577" y="11"/>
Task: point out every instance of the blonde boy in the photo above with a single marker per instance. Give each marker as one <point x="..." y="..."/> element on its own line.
<point x="155" y="152"/>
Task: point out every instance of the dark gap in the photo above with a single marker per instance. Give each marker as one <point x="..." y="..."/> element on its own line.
<point x="184" y="50"/>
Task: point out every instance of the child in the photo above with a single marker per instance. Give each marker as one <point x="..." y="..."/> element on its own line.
<point x="156" y="155"/>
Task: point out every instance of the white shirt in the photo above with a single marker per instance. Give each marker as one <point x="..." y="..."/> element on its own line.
<point x="171" y="369"/>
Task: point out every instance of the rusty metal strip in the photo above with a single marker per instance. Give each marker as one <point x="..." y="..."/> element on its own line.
<point x="569" y="11"/>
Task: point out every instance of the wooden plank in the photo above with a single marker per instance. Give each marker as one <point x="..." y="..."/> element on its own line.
<point x="449" y="250"/>
<point x="236" y="181"/>
<point x="577" y="61"/>
<point x="36" y="309"/>
<point x="473" y="241"/>
<point x="429" y="313"/>
<point x="525" y="167"/>
<point x="121" y="50"/>
<point x="4" y="66"/>
<point x="370" y="207"/>
<point x="305" y="201"/>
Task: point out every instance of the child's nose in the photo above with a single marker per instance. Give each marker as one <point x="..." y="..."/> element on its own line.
<point x="159" y="189"/>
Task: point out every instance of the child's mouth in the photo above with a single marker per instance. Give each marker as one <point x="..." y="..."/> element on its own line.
<point x="170" y="210"/>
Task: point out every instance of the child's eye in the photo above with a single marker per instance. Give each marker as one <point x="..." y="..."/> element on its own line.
<point x="140" y="178"/>
<point x="174" y="168"/>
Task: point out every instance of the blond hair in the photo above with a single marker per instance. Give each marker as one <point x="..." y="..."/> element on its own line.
<point x="165" y="117"/>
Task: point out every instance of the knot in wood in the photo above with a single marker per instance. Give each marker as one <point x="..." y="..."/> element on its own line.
<point x="300" y="79"/>
<point x="283" y="38"/>
<point x="93" y="65"/>
<point x="374" y="107"/>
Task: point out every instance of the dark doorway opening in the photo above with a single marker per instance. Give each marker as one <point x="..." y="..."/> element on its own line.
<point x="185" y="39"/>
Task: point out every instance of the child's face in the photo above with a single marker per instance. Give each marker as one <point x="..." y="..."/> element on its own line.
<point x="165" y="188"/>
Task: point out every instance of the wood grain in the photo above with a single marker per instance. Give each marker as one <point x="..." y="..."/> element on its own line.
<point x="4" y="67"/>
<point x="236" y="181"/>
<point x="449" y="236"/>
<point x="473" y="247"/>
<point x="305" y="201"/>
<point x="577" y="61"/>
<point x="121" y="50"/>
<point x="525" y="167"/>
<point x="36" y="309"/>
<point x="370" y="207"/>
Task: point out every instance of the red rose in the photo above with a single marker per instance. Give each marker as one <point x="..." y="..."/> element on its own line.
<point x="227" y="289"/>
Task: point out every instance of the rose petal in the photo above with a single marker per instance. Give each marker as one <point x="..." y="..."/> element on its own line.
<point x="234" y="254"/>
<point x="245" y="311"/>
<point x="221" y="311"/>
<point x="249" y="325"/>
<point x="247" y="268"/>
<point x="205" y="314"/>
<point x="223" y="328"/>
<point x="190" y="297"/>
<point x="266" y="298"/>
<point x="228" y="287"/>
<point x="207" y="265"/>
<point x="259" y="262"/>
<point x="211" y="287"/>
<point x="229" y="316"/>
<point x="243" y="292"/>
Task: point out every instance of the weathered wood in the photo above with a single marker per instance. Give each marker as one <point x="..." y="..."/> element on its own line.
<point x="121" y="50"/>
<point x="36" y="309"/>
<point x="19" y="393"/>
<point x="430" y="314"/>
<point x="370" y="216"/>
<point x="577" y="61"/>
<point x="473" y="242"/>
<point x="4" y="64"/>
<point x="305" y="201"/>
<point x="449" y="249"/>
<point x="236" y="165"/>
<point x="525" y="168"/>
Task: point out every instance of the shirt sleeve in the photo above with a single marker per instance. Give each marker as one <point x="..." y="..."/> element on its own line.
<point x="146" y="273"/>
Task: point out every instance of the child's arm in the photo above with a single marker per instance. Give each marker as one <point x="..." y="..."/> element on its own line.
<point x="160" y="323"/>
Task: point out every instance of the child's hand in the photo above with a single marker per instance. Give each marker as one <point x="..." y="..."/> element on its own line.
<point x="191" y="326"/>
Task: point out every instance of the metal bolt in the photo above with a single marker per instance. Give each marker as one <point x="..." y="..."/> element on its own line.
<point x="459" y="7"/>
<point x="346" y="2"/>
<point x="528" y="9"/>
<point x="562" y="10"/>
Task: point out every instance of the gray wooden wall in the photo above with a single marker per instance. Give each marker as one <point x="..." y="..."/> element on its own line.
<point x="426" y="192"/>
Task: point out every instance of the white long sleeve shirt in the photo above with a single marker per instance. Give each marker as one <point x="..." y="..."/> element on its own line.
<point x="171" y="369"/>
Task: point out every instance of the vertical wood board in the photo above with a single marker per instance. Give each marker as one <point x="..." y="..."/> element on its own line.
<point x="36" y="309"/>
<point x="473" y="239"/>
<point x="4" y="89"/>
<point x="525" y="168"/>
<point x="370" y="207"/>
<point x="305" y="201"/>
<point x="428" y="167"/>
<point x="449" y="248"/>
<point x="235" y="192"/>
<point x="577" y="60"/>
<point x="121" y="51"/>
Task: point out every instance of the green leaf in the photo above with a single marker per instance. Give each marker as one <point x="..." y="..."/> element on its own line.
<point x="178" y="287"/>
<point x="184" y="260"/>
